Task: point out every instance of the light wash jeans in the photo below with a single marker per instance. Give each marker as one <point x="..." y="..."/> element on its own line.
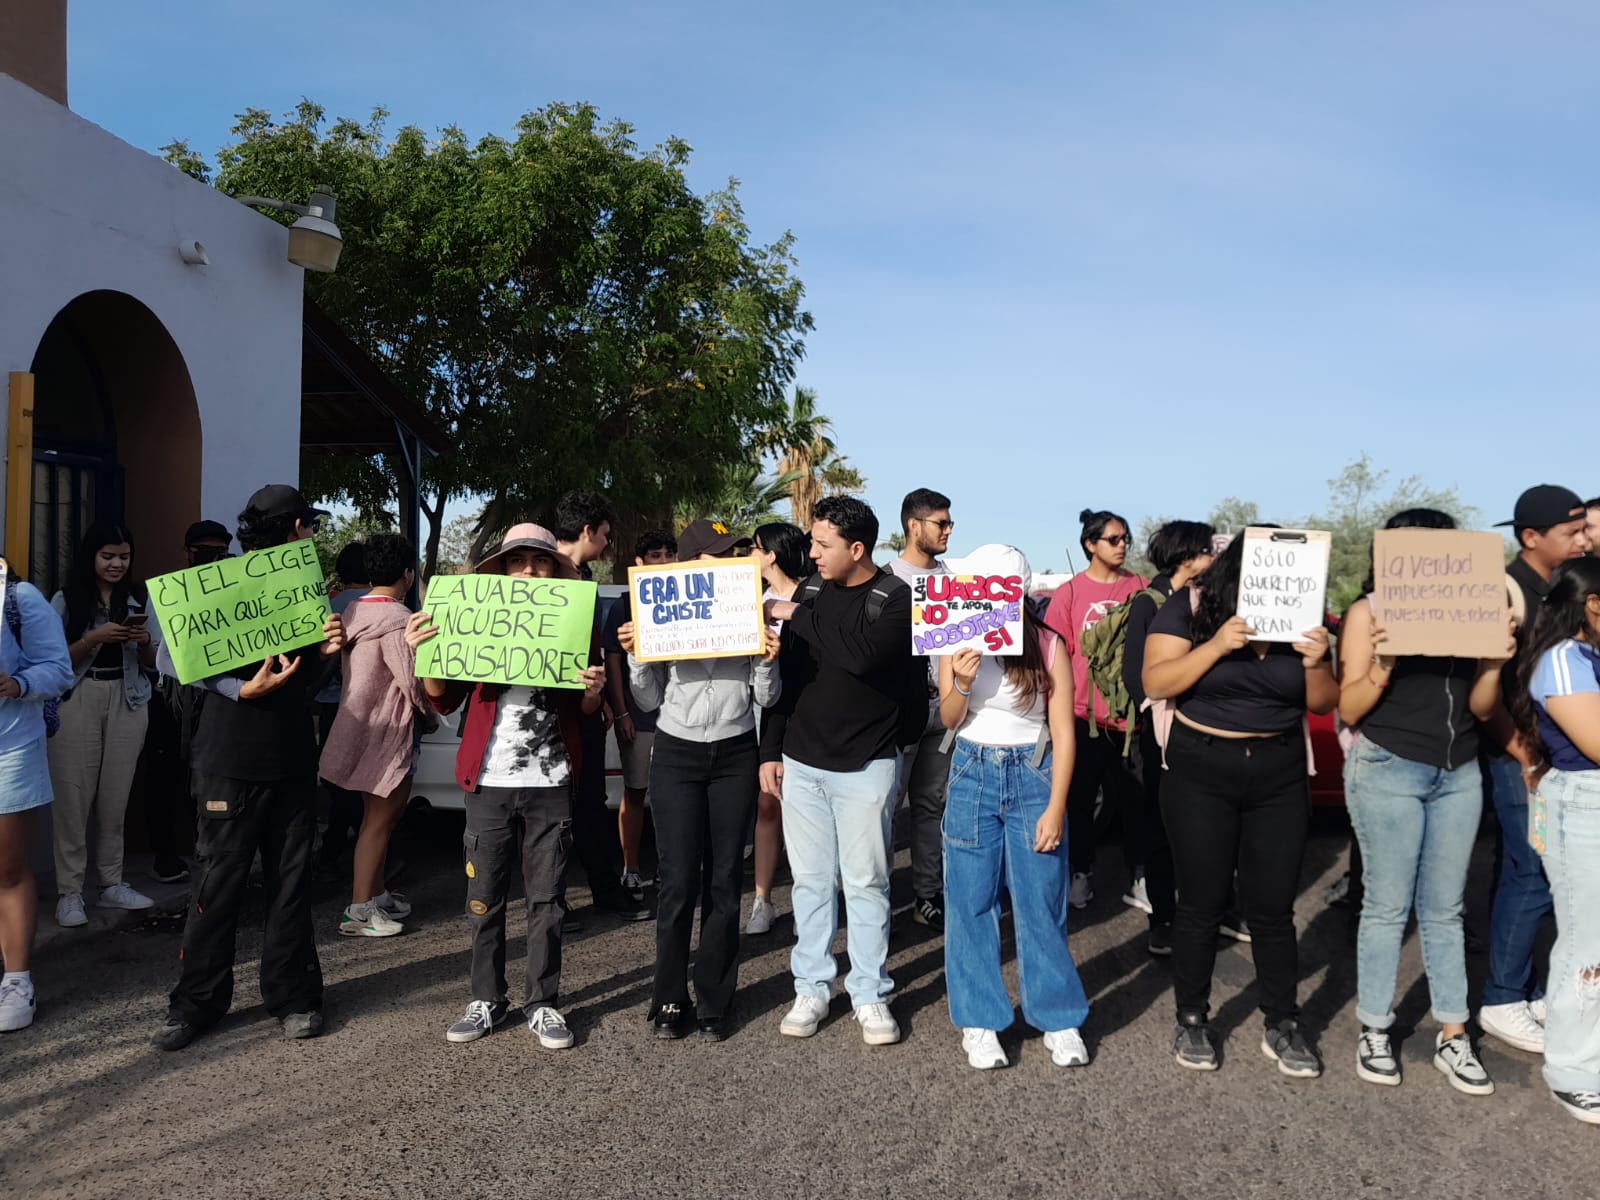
<point x="994" y="801"/>
<point x="1416" y="825"/>
<point x="836" y="826"/>
<point x="1572" y="861"/>
<point x="1521" y="895"/>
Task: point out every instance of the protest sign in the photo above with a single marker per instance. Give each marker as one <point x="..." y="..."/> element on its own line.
<point x="1440" y="592"/>
<point x="707" y="609"/>
<point x="510" y="630"/>
<point x="1283" y="582"/>
<point x="966" y="612"/>
<point x="235" y="612"/>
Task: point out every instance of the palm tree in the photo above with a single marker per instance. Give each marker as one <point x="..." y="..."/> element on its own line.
<point x="743" y="497"/>
<point x="803" y="442"/>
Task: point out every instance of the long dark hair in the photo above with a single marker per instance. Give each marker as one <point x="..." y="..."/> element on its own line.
<point x="1410" y="518"/>
<point x="1219" y="592"/>
<point x="1564" y="614"/>
<point x="82" y="590"/>
<point x="790" y="545"/>
<point x="1026" y="671"/>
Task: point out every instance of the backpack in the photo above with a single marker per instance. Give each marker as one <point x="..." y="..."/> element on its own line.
<point x="52" y="707"/>
<point x="914" y="690"/>
<point x="1102" y="646"/>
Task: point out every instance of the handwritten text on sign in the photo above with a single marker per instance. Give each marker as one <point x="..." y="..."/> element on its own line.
<point x="500" y="629"/>
<point x="966" y="612"/>
<point x="1283" y="582"/>
<point x="707" y="609"/>
<point x="235" y="612"/>
<point x="1440" y="592"/>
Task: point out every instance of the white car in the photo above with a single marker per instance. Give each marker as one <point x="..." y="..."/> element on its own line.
<point x="435" y="780"/>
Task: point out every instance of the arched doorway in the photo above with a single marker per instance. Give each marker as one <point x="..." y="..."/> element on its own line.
<point x="116" y="435"/>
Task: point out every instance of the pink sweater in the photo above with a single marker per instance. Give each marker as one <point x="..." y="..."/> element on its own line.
<point x="369" y="746"/>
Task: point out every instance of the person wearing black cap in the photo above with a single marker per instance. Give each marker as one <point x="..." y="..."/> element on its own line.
<point x="703" y="783"/>
<point x="254" y="763"/>
<point x="1549" y="526"/>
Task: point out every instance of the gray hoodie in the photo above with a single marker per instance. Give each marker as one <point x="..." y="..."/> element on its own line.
<point x="704" y="699"/>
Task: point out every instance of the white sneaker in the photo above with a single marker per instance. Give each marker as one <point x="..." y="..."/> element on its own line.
<point x="633" y="882"/>
<point x="120" y="895"/>
<point x="802" y="1020"/>
<point x="1066" y="1048"/>
<point x="16" y="1005"/>
<point x="1139" y="897"/>
<point x="1514" y="1024"/>
<point x="762" y="915"/>
<point x="395" y="904"/>
<point x="1459" y="1064"/>
<point x="550" y="1027"/>
<point x="1081" y="892"/>
<point x="368" y="920"/>
<point x="69" y="911"/>
<point x="878" y="1026"/>
<point x="1538" y="1010"/>
<point x="983" y="1049"/>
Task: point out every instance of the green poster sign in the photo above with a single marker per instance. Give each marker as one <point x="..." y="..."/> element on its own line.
<point x="236" y="612"/>
<point x="497" y="629"/>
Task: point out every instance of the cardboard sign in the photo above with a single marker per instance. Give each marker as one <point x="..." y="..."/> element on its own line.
<point x="499" y="629"/>
<point x="966" y="612"/>
<point x="697" y="610"/>
<point x="1283" y="582"/>
<point x="1440" y="592"/>
<point x="235" y="612"/>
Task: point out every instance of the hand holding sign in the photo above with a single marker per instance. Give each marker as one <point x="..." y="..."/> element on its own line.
<point x="513" y="630"/>
<point x="1283" y="582"/>
<point x="950" y="613"/>
<point x="1440" y="592"/>
<point x="703" y="609"/>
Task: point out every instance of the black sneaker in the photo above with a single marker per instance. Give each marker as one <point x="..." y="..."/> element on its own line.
<point x="301" y="1025"/>
<point x="177" y="1033"/>
<point x="1160" y="943"/>
<point x="671" y="1023"/>
<point x="1286" y="1045"/>
<point x="929" y="911"/>
<point x="1583" y="1105"/>
<point x="624" y="908"/>
<point x="712" y="1029"/>
<point x="169" y="868"/>
<point x="1375" y="1060"/>
<point x="1192" y="1046"/>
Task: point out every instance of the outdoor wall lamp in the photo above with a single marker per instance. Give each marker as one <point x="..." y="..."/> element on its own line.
<point x="314" y="240"/>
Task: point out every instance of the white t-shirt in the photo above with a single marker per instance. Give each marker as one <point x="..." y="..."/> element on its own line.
<point x="525" y="748"/>
<point x="993" y="718"/>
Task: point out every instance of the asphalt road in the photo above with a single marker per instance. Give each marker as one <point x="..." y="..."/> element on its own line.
<point x="383" y="1106"/>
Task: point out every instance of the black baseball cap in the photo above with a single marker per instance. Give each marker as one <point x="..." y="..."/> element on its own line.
<point x="206" y="531"/>
<point x="281" y="500"/>
<point x="707" y="537"/>
<point x="1546" y="505"/>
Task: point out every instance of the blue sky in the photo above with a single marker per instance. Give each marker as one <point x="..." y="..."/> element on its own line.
<point x="1136" y="256"/>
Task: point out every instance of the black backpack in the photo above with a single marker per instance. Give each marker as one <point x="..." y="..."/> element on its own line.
<point x="914" y="695"/>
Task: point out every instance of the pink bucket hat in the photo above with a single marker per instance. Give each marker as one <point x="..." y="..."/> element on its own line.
<point x="527" y="536"/>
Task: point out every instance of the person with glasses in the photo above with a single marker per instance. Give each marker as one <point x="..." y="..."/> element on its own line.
<point x="1100" y="766"/>
<point x="925" y="765"/>
<point x="782" y="550"/>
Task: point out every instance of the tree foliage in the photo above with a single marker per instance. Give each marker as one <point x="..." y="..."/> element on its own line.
<point x="570" y="312"/>
<point x="801" y="438"/>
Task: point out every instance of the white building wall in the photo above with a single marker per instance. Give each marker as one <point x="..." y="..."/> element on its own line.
<point x="81" y="210"/>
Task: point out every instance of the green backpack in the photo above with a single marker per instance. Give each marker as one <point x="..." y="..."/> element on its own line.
<point x="1102" y="645"/>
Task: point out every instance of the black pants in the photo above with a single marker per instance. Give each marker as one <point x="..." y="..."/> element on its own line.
<point x="1146" y="833"/>
<point x="595" y="839"/>
<point x="346" y="809"/>
<point x="500" y="822"/>
<point x="1236" y="804"/>
<point x="167" y="805"/>
<point x="237" y="818"/>
<point x="703" y="795"/>
<point x="1099" y="766"/>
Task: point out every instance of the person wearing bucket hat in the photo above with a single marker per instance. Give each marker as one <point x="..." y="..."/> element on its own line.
<point x="1548" y="522"/>
<point x="518" y="763"/>
<point x="1005" y="825"/>
<point x="253" y="761"/>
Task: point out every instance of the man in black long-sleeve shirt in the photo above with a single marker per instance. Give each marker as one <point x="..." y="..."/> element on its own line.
<point x="831" y="751"/>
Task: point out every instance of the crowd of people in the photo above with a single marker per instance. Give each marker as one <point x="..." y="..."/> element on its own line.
<point x="1151" y="699"/>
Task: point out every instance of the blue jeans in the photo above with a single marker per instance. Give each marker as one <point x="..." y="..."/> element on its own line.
<point x="1416" y="825"/>
<point x="1521" y="898"/>
<point x="994" y="800"/>
<point x="1572" y="860"/>
<point x="836" y="826"/>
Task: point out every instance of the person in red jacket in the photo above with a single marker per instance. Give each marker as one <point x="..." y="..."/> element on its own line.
<point x="519" y="761"/>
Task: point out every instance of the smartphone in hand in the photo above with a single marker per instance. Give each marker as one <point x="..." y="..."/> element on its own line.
<point x="136" y="620"/>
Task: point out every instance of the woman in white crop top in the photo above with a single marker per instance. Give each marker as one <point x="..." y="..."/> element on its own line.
<point x="1004" y="822"/>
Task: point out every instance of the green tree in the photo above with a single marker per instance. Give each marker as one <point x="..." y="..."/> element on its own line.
<point x="339" y="530"/>
<point x="571" y="313"/>
<point x="802" y="440"/>
<point x="743" y="498"/>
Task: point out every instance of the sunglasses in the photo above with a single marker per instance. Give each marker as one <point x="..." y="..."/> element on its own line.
<point x="1119" y="539"/>
<point x="941" y="526"/>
